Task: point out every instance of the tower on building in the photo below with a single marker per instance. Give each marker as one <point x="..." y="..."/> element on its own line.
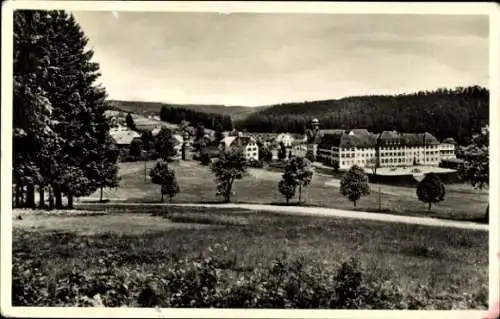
<point x="315" y="124"/>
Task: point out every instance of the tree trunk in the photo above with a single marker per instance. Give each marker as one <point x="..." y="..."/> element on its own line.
<point x="17" y="196"/>
<point x="228" y="191"/>
<point x="300" y="193"/>
<point x="22" y="196"/>
<point x="51" y="198"/>
<point x="41" y="191"/>
<point x="354" y="203"/>
<point x="429" y="207"/>
<point x="58" y="196"/>
<point x="100" y="196"/>
<point x="162" y="197"/>
<point x="287" y="200"/>
<point x="70" y="200"/>
<point x="30" y="196"/>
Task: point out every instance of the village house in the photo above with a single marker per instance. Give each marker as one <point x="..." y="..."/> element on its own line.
<point x="178" y="141"/>
<point x="123" y="136"/>
<point x="249" y="145"/>
<point x="285" y="138"/>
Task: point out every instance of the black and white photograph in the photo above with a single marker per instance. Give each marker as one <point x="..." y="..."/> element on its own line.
<point x="221" y="156"/>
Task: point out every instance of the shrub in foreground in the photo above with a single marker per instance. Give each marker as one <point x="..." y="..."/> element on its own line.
<point x="219" y="283"/>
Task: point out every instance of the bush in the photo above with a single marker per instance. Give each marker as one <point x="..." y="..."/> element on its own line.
<point x="205" y="159"/>
<point x="204" y="281"/>
<point x="255" y="163"/>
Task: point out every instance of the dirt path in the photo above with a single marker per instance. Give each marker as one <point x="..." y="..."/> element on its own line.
<point x="331" y="212"/>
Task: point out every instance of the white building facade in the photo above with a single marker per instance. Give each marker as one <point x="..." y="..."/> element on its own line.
<point x="388" y="149"/>
<point x="249" y="144"/>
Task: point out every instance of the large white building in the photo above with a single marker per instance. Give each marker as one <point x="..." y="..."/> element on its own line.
<point x="249" y="144"/>
<point x="387" y="149"/>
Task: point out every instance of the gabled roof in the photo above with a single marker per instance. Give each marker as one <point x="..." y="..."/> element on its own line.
<point x="344" y="140"/>
<point x="228" y="140"/>
<point x="124" y="137"/>
<point x="331" y="131"/>
<point x="389" y="135"/>
<point x="360" y="131"/>
<point x="231" y="141"/>
<point x="415" y="139"/>
<point x="245" y="140"/>
<point x="449" y="140"/>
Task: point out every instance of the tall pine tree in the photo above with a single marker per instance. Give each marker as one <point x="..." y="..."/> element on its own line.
<point x="52" y="60"/>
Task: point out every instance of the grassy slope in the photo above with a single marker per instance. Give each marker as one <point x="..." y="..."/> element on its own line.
<point x="197" y="185"/>
<point x="447" y="260"/>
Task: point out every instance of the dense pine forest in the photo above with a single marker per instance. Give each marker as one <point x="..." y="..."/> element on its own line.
<point x="457" y="113"/>
<point x="177" y="115"/>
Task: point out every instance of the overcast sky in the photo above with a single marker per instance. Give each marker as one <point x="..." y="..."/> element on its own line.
<point x="261" y="59"/>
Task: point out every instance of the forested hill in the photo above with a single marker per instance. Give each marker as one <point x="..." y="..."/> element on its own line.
<point x="154" y="108"/>
<point x="456" y="113"/>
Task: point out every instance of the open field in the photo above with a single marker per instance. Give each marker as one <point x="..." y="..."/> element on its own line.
<point x="451" y="262"/>
<point x="260" y="187"/>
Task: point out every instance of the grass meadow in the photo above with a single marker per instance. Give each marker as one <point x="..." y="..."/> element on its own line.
<point x="126" y="246"/>
<point x="197" y="185"/>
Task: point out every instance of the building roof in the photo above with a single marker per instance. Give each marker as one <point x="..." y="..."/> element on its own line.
<point x="409" y="139"/>
<point x="245" y="140"/>
<point x="344" y="140"/>
<point x="449" y="140"/>
<point x="389" y="136"/>
<point x="331" y="131"/>
<point x="359" y="131"/>
<point x="228" y="140"/>
<point x="123" y="137"/>
<point x="414" y="139"/>
<point x="363" y="139"/>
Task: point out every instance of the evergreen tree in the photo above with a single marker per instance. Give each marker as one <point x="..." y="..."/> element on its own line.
<point x="354" y="184"/>
<point x="130" y="122"/>
<point x="136" y="148"/>
<point x="281" y="152"/>
<point x="34" y="140"/>
<point x="51" y="62"/>
<point x="430" y="189"/>
<point x="457" y="113"/>
<point x="147" y="141"/>
<point x="219" y="133"/>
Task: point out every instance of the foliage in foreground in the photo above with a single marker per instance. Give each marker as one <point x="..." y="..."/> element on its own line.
<point x="212" y="282"/>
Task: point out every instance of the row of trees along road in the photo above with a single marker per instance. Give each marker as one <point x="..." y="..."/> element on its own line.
<point x="61" y="141"/>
